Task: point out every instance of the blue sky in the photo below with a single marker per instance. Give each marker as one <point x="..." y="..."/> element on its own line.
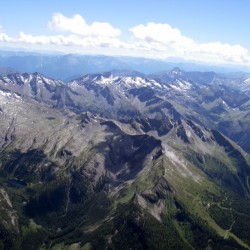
<point x="211" y="31"/>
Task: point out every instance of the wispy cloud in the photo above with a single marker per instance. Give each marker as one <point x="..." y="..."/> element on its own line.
<point x="155" y="40"/>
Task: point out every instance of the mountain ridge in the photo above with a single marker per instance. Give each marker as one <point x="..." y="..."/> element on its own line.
<point x="114" y="161"/>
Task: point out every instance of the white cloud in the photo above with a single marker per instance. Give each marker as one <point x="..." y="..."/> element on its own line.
<point x="170" y="41"/>
<point x="77" y="25"/>
<point x="162" y="33"/>
<point x="235" y="53"/>
<point x="5" y="38"/>
<point x="70" y="40"/>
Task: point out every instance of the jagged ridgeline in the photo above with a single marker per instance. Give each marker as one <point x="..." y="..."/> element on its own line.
<point x="123" y="161"/>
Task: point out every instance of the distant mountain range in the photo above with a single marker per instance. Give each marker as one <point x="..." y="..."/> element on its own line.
<point x="124" y="160"/>
<point x="71" y="66"/>
<point x="4" y="71"/>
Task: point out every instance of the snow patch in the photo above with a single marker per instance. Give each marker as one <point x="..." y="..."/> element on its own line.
<point x="247" y="81"/>
<point x="8" y="96"/>
<point x="107" y="80"/>
<point x="181" y="85"/>
<point x="136" y="81"/>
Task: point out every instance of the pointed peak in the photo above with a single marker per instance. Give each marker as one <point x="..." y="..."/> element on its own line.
<point x="176" y="71"/>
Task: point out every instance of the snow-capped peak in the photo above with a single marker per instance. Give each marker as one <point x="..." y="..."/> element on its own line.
<point x="105" y="80"/>
<point x="26" y="79"/>
<point x="181" y="85"/>
<point x="115" y="80"/>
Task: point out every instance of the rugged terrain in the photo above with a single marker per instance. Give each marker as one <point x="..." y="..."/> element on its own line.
<point x="119" y="160"/>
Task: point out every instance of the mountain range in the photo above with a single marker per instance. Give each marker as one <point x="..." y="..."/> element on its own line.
<point x="70" y="66"/>
<point x="125" y="160"/>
